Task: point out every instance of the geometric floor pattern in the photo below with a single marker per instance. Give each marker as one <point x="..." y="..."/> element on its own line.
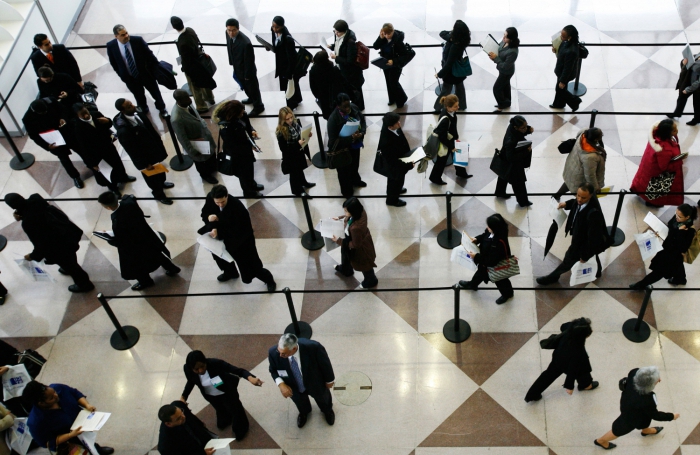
<point x="429" y="396"/>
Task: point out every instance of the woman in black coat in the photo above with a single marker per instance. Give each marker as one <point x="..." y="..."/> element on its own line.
<point x="345" y="111"/>
<point x="345" y="53"/>
<point x="237" y="134"/>
<point x="218" y="382"/>
<point x="447" y="133"/>
<point x="285" y="59"/>
<point x="637" y="407"/>
<point x="391" y="46"/>
<point x="494" y="247"/>
<point x="565" y="69"/>
<point x="509" y="164"/>
<point x="668" y="263"/>
<point x="394" y="145"/>
<point x="569" y="358"/>
<point x="294" y="152"/>
<point x="326" y="82"/>
<point x="456" y="42"/>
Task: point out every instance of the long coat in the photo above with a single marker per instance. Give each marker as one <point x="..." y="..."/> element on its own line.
<point x="326" y="82"/>
<point x="345" y="58"/>
<point x="584" y="167"/>
<point x="656" y="160"/>
<point x="565" y="69"/>
<point x="512" y="166"/>
<point x="492" y="250"/>
<point x="293" y="155"/>
<point x="141" y="142"/>
<point x="241" y="56"/>
<point x="285" y="56"/>
<point x="38" y="123"/>
<point x="63" y="62"/>
<point x="234" y="137"/>
<point x="189" y="126"/>
<point x="588" y="233"/>
<point x="54" y="236"/>
<point x="360" y="244"/>
<point x="94" y="142"/>
<point x="677" y="242"/>
<point x="188" y="47"/>
<point x="393" y="147"/>
<point x="451" y="52"/>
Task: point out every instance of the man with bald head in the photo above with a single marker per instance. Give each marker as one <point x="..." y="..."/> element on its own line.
<point x="190" y="127"/>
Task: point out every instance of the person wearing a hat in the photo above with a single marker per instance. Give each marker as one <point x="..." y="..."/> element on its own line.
<point x="199" y="80"/>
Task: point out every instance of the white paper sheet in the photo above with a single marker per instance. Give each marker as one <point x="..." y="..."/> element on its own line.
<point x="687" y="53"/>
<point x="331" y="227"/>
<point x="349" y="129"/>
<point x="656" y="225"/>
<point x="306" y="134"/>
<point x="53" y="137"/>
<point x="214" y="246"/>
<point x="583" y="272"/>
<point x="489" y="44"/>
<point x="461" y="257"/>
<point x="557" y="214"/>
<point x="290" y="89"/>
<point x="417" y="155"/>
<point x="556" y="41"/>
<point x="202" y="147"/>
<point x="90" y="421"/>
<point x="468" y="244"/>
<point x="220" y="446"/>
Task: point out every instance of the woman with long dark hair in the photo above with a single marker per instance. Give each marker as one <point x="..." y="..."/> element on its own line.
<point x="505" y="64"/>
<point x="357" y="248"/>
<point x="326" y="82"/>
<point x="565" y="70"/>
<point x="456" y="42"/>
<point x="510" y="162"/>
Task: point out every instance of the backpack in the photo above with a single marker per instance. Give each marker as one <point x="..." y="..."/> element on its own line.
<point x="362" y="59"/>
<point x="693" y="250"/>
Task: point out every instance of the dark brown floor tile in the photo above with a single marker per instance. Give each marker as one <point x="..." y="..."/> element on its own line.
<point x="552" y="452"/>
<point x="269" y="223"/>
<point x="483" y="354"/>
<point x="686" y="340"/>
<point x="402" y="272"/>
<point x="243" y="351"/>
<point x="53" y="178"/>
<point x="607" y="123"/>
<point x="471" y="216"/>
<point x="677" y="452"/>
<point x="321" y="274"/>
<point x="467" y="427"/>
<point x="257" y="437"/>
<point x="14" y="231"/>
<point x="549" y="303"/>
<point x="22" y="343"/>
<point x="649" y="75"/>
<point x="479" y="168"/>
<point x="544" y="125"/>
<point x="694" y="437"/>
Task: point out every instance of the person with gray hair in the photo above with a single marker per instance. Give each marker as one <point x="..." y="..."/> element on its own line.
<point x="637" y="407"/>
<point x="301" y="368"/>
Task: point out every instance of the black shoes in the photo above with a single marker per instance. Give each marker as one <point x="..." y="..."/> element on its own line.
<point x="503" y="299"/>
<point x="271" y="287"/>
<point x="253" y="194"/>
<point x="466" y="285"/>
<point x="173" y="272"/>
<point x="301" y="420"/>
<point x="130" y="178"/>
<point x="141" y="286"/>
<point x="330" y="417"/>
<point x="339" y="269"/>
<point x="403" y="190"/>
<point x="309" y="185"/>
<point x="526" y="204"/>
<point x="225" y="277"/>
<point x="259" y="187"/>
<point x="2" y="299"/>
<point x="78" y="182"/>
<point x="168" y="185"/>
<point x="397" y="203"/>
<point x="255" y="112"/>
<point x="104" y="450"/>
<point x="693" y="122"/>
<point x="594" y="385"/>
<point x="76" y="289"/>
<point x="63" y="272"/>
<point x="637" y="286"/>
<point x="438" y="182"/>
<point x="672" y="115"/>
<point x="163" y="112"/>
<point x="671" y="281"/>
<point x="545" y="280"/>
<point x="166" y="201"/>
<point x="246" y="101"/>
<point x="366" y="285"/>
<point x="503" y="196"/>
<point x="609" y="447"/>
<point x="210" y="179"/>
<point x="658" y="430"/>
<point x="359" y="184"/>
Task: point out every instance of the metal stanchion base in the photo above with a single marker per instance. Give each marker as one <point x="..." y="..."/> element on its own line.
<point x="305" y="330"/>
<point x="456" y="336"/>
<point x="176" y="165"/>
<point x="636" y="337"/>
<point x="438" y="89"/>
<point x="3" y="242"/>
<point x="18" y="165"/>
<point x="319" y="160"/>
<point x="618" y="237"/>
<point x="449" y="244"/>
<point x="132" y="337"/>
<point x="311" y="244"/>
<point x="579" y="92"/>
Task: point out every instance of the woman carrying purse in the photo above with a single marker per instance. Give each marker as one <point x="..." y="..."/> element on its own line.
<point x="294" y="151"/>
<point x="446" y="131"/>
<point x="357" y="248"/>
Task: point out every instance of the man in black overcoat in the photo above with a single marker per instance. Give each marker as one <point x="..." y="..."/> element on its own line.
<point x="241" y="56"/>
<point x="56" y="57"/>
<point x="393" y="145"/>
<point x="181" y="432"/>
<point x="59" y="87"/>
<point x="285" y="60"/>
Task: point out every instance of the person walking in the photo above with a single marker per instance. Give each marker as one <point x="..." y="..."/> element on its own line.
<point x="569" y="358"/>
<point x="448" y="133"/>
<point x="200" y="82"/>
<point x="637" y="407"/>
<point x="56" y="57"/>
<point x="688" y="85"/>
<point x="510" y="162"/>
<point x="357" y="248"/>
<point x="393" y="145"/>
<point x="285" y="60"/>
<point x="294" y="151"/>
<point x="344" y="52"/>
<point x="585" y="163"/>
<point x="565" y="69"/>
<point x="454" y="49"/>
<point x="505" y="64"/>
<point x="346" y="111"/>
<point x="326" y="82"/>
<point x="494" y="247"/>
<point x="241" y="57"/>
<point x="390" y="45"/>
<point x="668" y="263"/>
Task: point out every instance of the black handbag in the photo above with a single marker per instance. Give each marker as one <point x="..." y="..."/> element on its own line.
<point x="339" y="155"/>
<point x="566" y="146"/>
<point x="660" y="185"/>
<point x="224" y="163"/>
<point x="381" y="166"/>
<point x="622" y="384"/>
<point x="552" y="342"/>
<point x="499" y="165"/>
<point x="304" y="59"/>
<point x="407" y="56"/>
<point x="206" y="61"/>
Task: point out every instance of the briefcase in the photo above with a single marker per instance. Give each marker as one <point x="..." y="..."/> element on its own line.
<point x="381" y="166"/>
<point x="304" y="59"/>
<point x="338" y="156"/>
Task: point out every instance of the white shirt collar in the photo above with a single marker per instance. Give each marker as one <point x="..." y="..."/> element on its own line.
<point x="180" y="32"/>
<point x="582" y="206"/>
<point x="44" y="52"/>
<point x="396" y="131"/>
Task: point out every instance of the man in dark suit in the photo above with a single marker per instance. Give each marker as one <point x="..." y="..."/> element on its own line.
<point x="589" y="235"/>
<point x="301" y="368"/>
<point x="242" y="57"/>
<point x="344" y="53"/>
<point x="198" y="79"/>
<point x="227" y="219"/>
<point x="141" y="251"/>
<point x="43" y="116"/>
<point x="181" y="432"/>
<point x="285" y="59"/>
<point x="142" y="143"/>
<point x="135" y="64"/>
<point x="393" y="145"/>
<point x="56" y="56"/>
<point x="60" y="88"/>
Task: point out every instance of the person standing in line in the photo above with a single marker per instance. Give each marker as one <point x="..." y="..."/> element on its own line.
<point x="447" y="133"/>
<point x="227" y="219"/>
<point x="56" y="57"/>
<point x="357" y="248"/>
<point x="344" y="52"/>
<point x="585" y="163"/>
<point x="241" y="56"/>
<point x="326" y="82"/>
<point x="3" y="294"/>
<point x="190" y="127"/>
<point x="201" y="83"/>
<point x="505" y="64"/>
<point x="394" y="145"/>
<point x="301" y="369"/>
<point x="569" y="358"/>
<point x="688" y="85"/>
<point x="565" y="69"/>
<point x="144" y="146"/>
<point x="141" y="250"/>
<point x="346" y="111"/>
<point x="294" y="151"/>
<point x="181" y="432"/>
<point x="390" y="45"/>
<point x="217" y="380"/>
<point x="285" y="60"/>
<point x="134" y="62"/>
<point x="454" y="49"/>
<point x="510" y="161"/>
<point x="59" y="88"/>
<point x="54" y="236"/>
<point x="637" y="407"/>
<point x="494" y="247"/>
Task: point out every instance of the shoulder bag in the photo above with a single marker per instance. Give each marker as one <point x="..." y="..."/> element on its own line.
<point x="566" y="146"/>
<point x="505" y="268"/>
<point x="381" y="166"/>
<point x="693" y="250"/>
<point x="224" y="163"/>
<point x="432" y="142"/>
<point x="462" y="67"/>
<point x="407" y="56"/>
<point x="339" y="155"/>
<point x="362" y="58"/>
<point x="206" y="61"/>
<point x="660" y="185"/>
<point x="304" y="59"/>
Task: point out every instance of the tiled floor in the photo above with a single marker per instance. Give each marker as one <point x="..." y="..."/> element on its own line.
<point x="429" y="396"/>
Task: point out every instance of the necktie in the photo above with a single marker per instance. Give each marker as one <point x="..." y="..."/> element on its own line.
<point x="130" y="61"/>
<point x="573" y="221"/>
<point x="49" y="56"/>
<point x="297" y="374"/>
<point x="191" y="111"/>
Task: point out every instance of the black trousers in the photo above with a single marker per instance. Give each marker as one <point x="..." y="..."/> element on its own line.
<point x="562" y="190"/>
<point x="447" y="89"/>
<point x="246" y="177"/>
<point x="683" y="99"/>
<point x="297" y="180"/>
<point x="656" y="275"/>
<point x="324" y="400"/>
<point x="3" y="290"/>
<point x="355" y="166"/>
<point x="393" y="87"/>
<point x="118" y="174"/>
<point x="562" y="98"/>
<point x="138" y="87"/>
<point x="439" y="168"/>
<point x="501" y="90"/>
<point x="229" y="268"/>
<point x="166" y="263"/>
<point x="571" y="258"/>
<point x="206" y="168"/>
<point x="345" y="176"/>
<point x="251" y="87"/>
<point x="294" y="101"/>
<point x="63" y="155"/>
<point x="481" y="275"/>
<point x="230" y="411"/>
<point x="550" y="375"/>
<point x="70" y="265"/>
<point x="393" y="188"/>
<point x="519" y="189"/>
<point x="155" y="183"/>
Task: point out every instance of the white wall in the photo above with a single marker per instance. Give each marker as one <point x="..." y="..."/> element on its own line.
<point x="61" y="15"/>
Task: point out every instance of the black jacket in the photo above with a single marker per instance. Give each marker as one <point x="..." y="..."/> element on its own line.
<point x="144" y="59"/>
<point x="445" y="127"/>
<point x="186" y="439"/>
<point x="395" y="51"/>
<point x="677" y="242"/>
<point x="394" y="147"/>
<point x="54" y="236"/>
<point x="570" y="358"/>
<point x="316" y="368"/>
<point x="235" y="142"/>
<point x="63" y="62"/>
<point x="589" y="233"/>
<point x="228" y="373"/>
<point x="94" y="142"/>
<point x="345" y="57"/>
<point x="451" y="52"/>
<point x="336" y="122"/>
<point x="492" y="250"/>
<point x="241" y="56"/>
<point x="326" y="82"/>
<point x="639" y="410"/>
<point x="293" y="155"/>
<point x="188" y="46"/>
<point x="285" y="54"/>
<point x="234" y="226"/>
<point x="142" y="142"/>
<point x="61" y="82"/>
<point x="513" y="170"/>
<point x="39" y="123"/>
<point x="567" y="57"/>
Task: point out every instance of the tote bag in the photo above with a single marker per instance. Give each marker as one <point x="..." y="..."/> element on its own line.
<point x="462" y="67"/>
<point x="505" y="268"/>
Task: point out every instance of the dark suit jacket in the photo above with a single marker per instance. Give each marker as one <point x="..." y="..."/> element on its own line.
<point x="188" y="46"/>
<point x="316" y="368"/>
<point x="345" y="57"/>
<point x="450" y="54"/>
<point x="142" y="143"/>
<point x="64" y="62"/>
<point x="396" y="49"/>
<point x="179" y="441"/>
<point x="241" y="56"/>
<point x="567" y="57"/>
<point x="570" y="358"/>
<point x="285" y="54"/>
<point x="677" y="242"/>
<point x="235" y="142"/>
<point x="394" y="147"/>
<point x="54" y="236"/>
<point x="588" y="234"/>
<point x="336" y="122"/>
<point x="145" y="61"/>
<point x="94" y="142"/>
<point x="40" y="123"/>
<point x="228" y="373"/>
<point x="61" y="82"/>
<point x="234" y="226"/>
<point x="445" y="127"/>
<point x="514" y="168"/>
<point x="639" y="410"/>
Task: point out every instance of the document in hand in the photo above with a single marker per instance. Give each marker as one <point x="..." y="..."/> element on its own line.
<point x="349" y="129"/>
<point x="214" y="246"/>
<point x="266" y="45"/>
<point x="468" y="244"/>
<point x="415" y="156"/>
<point x="460" y="256"/>
<point x="14" y="381"/>
<point x="687" y="54"/>
<point x="202" y="147"/>
<point x="656" y="225"/>
<point x="556" y="41"/>
<point x="489" y="44"/>
<point x="327" y="42"/>
<point x="289" y="93"/>
<point x="461" y="156"/>
<point x="220" y="446"/>
<point x="331" y="227"/>
<point x="90" y="421"/>
<point x="305" y="134"/>
<point x="649" y="244"/>
<point x="605" y="190"/>
<point x="53" y="137"/>
<point x="157" y="169"/>
<point x="557" y="214"/>
<point x="380" y="62"/>
<point x="104" y="235"/>
<point x="583" y="272"/>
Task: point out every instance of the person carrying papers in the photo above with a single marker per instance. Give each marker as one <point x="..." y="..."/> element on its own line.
<point x="668" y="263"/>
<point x="504" y="56"/>
<point x="181" y="432"/>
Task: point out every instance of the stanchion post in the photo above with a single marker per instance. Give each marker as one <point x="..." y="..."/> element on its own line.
<point x="319" y="160"/>
<point x="457" y="330"/>
<point x="449" y="237"/>
<point x="124" y="337"/>
<point x="20" y="161"/>
<point x="312" y="239"/>
<point x="299" y="328"/>
<point x="615" y="233"/>
<point x="179" y="162"/>
<point x="575" y="87"/>
<point x="636" y="329"/>
<point x="594" y="113"/>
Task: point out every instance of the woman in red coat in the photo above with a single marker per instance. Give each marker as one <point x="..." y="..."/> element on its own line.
<point x="658" y="158"/>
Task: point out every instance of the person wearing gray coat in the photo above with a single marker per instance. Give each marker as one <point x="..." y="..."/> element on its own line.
<point x="585" y="163"/>
<point x="505" y="64"/>
<point x="190" y="127"/>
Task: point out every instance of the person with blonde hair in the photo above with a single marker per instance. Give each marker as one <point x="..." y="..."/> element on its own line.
<point x="294" y="150"/>
<point x="446" y="131"/>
